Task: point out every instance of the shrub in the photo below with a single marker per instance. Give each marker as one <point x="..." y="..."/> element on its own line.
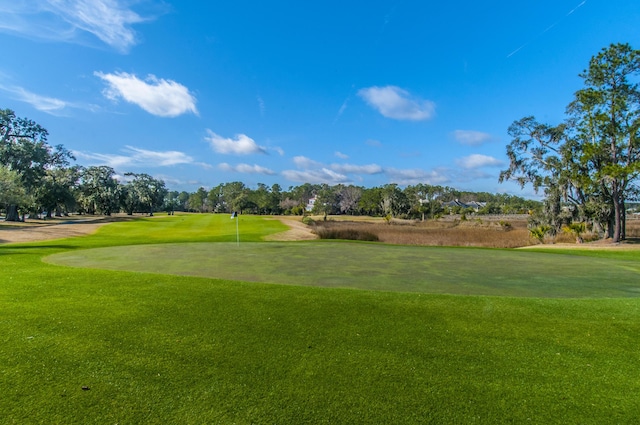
<point x="505" y="225"/>
<point x="539" y="232"/>
<point x="346" y="234"/>
<point x="308" y="221"/>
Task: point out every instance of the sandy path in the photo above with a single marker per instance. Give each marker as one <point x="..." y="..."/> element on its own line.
<point x="297" y="230"/>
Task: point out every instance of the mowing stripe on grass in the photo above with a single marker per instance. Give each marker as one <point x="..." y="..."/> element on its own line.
<point x="377" y="267"/>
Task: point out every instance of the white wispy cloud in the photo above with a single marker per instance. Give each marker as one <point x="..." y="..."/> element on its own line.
<point x="343" y="108"/>
<point x="246" y="168"/>
<point x="304" y="162"/>
<point x="471" y="137"/>
<point x="111" y="160"/>
<point x="157" y="96"/>
<point x="159" y="158"/>
<point x="396" y="103"/>
<point x="322" y="175"/>
<point x="478" y="161"/>
<point x="341" y="155"/>
<point x="313" y="171"/>
<point x="417" y="176"/>
<point x="137" y="157"/>
<point x="240" y="145"/>
<point x="110" y="21"/>
<point x="261" y="105"/>
<point x="47" y="104"/>
<point x="357" y="169"/>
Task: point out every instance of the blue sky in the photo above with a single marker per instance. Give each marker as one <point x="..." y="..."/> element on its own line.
<point x="200" y="93"/>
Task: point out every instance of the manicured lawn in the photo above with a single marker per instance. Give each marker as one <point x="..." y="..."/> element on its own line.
<point x="377" y="267"/>
<point x="156" y="348"/>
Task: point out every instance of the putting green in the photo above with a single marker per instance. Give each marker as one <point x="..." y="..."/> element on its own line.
<point x="376" y="267"/>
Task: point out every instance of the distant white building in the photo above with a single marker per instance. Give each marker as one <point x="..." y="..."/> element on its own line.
<point x="310" y="204"/>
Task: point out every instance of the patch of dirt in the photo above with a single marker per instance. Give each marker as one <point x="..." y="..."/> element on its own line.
<point x="298" y="231"/>
<point x="55" y="228"/>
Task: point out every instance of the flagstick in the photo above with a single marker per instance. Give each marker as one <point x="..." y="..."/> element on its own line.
<point x="237" y="232"/>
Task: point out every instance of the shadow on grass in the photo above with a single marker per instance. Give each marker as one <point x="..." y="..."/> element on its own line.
<point x="27" y="249"/>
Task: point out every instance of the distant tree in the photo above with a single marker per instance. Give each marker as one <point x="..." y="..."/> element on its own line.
<point x="215" y="198"/>
<point x="275" y="196"/>
<point x="424" y="200"/>
<point x="172" y="202"/>
<point x="57" y="192"/>
<point x="349" y="197"/>
<point x="198" y="200"/>
<point x="147" y="192"/>
<point x="394" y="202"/>
<point x="287" y="205"/>
<point x="236" y="196"/>
<point x="24" y="149"/>
<point x="261" y="198"/>
<point x="12" y="191"/>
<point x="327" y="200"/>
<point x="303" y="193"/>
<point x="371" y="201"/>
<point x="100" y="192"/>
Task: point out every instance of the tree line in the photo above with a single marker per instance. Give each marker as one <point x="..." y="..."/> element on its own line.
<point x="419" y="201"/>
<point x="36" y="178"/>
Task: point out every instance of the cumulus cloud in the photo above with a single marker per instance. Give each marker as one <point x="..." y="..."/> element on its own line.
<point x="478" y="161"/>
<point x="157" y="96"/>
<point x="471" y="137"/>
<point x="110" y="21"/>
<point x="246" y="168"/>
<point x="396" y="103"/>
<point x="240" y="145"/>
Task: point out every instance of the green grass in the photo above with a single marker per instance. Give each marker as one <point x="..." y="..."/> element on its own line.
<point x="157" y="348"/>
<point x="377" y="267"/>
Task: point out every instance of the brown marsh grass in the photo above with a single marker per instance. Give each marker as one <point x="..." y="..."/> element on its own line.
<point x="477" y="232"/>
<point x="480" y="231"/>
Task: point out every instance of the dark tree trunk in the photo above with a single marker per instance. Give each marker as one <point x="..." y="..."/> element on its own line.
<point x="623" y="232"/>
<point x="617" y="218"/>
<point x="12" y="213"/>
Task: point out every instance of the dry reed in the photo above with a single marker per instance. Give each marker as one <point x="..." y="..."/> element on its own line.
<point x="478" y="233"/>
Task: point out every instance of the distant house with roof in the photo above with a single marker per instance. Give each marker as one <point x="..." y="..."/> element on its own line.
<point x="475" y="205"/>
